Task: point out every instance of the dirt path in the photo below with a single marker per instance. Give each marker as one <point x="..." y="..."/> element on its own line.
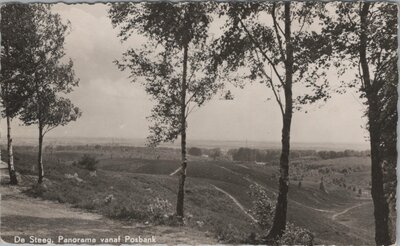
<point x="276" y="194"/>
<point x="236" y="202"/>
<point x="25" y="216"/>
<point x="334" y="216"/>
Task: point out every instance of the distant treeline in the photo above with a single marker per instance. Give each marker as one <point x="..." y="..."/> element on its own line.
<point x="248" y="154"/>
<point x="240" y="154"/>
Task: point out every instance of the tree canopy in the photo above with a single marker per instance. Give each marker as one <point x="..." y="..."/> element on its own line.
<point x="159" y="63"/>
<point x="365" y="36"/>
<point x="253" y="41"/>
<point x="52" y="75"/>
<point x="16" y="56"/>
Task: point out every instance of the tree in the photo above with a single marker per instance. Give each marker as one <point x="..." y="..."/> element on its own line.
<point x="173" y="66"/>
<point x="48" y="112"/>
<point x="388" y="142"/>
<point x="194" y="151"/>
<point x="17" y="38"/>
<point x="51" y="77"/>
<point x="372" y="50"/>
<point x="321" y="185"/>
<point x="261" y="35"/>
<point x="215" y="153"/>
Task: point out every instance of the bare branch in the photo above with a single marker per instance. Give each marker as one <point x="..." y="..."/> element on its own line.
<point x="49" y="128"/>
<point x="304" y="20"/>
<point x="276" y="94"/>
<point x="191" y="97"/>
<point x="262" y="52"/>
<point x="278" y="36"/>
<point x="269" y="79"/>
<point x="278" y="100"/>
<point x="348" y="16"/>
<point x="189" y="111"/>
<point x="191" y="76"/>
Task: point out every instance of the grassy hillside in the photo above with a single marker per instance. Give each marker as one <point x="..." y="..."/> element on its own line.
<point x="140" y="189"/>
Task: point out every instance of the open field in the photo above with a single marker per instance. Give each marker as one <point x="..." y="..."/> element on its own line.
<point x="133" y="185"/>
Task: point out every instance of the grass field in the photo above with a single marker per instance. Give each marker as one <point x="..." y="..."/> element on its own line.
<point x="136" y="186"/>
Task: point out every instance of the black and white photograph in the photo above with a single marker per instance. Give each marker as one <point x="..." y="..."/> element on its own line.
<point x="199" y="122"/>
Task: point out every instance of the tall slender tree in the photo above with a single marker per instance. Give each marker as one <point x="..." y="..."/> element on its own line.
<point x="261" y="36"/>
<point x="47" y="111"/>
<point x="51" y="77"/>
<point x="17" y="39"/>
<point x="173" y="66"/>
<point x="372" y="50"/>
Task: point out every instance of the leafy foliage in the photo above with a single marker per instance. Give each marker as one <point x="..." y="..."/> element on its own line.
<point x="159" y="65"/>
<point x="16" y="55"/>
<point x="54" y="111"/>
<point x="51" y="76"/>
<point x="295" y="235"/>
<point x="256" y="47"/>
<point x="263" y="206"/>
<point x="365" y="34"/>
<point x="160" y="210"/>
<point x="344" y="30"/>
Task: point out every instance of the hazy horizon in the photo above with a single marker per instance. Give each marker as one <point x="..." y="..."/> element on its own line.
<point x="204" y="143"/>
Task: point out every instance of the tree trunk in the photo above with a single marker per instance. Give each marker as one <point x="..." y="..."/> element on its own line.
<point x="279" y="222"/>
<point x="381" y="207"/>
<point x="182" y="177"/>
<point x="40" y="158"/>
<point x="10" y="161"/>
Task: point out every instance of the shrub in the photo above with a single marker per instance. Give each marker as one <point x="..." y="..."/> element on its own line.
<point x="215" y="153"/>
<point x="263" y="207"/>
<point x="117" y="211"/>
<point x="88" y="162"/>
<point x="89" y="204"/>
<point x="295" y="235"/>
<point x="230" y="234"/>
<point x="159" y="210"/>
<point x="37" y="190"/>
<point x="195" y="151"/>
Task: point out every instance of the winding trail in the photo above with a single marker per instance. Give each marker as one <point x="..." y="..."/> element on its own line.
<point x="236" y="202"/>
<point x="275" y="193"/>
<point x="334" y="216"/>
<point x="334" y="213"/>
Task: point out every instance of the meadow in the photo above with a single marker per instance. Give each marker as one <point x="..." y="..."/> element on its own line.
<point x="133" y="184"/>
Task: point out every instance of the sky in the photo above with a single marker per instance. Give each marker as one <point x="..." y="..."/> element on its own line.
<point x="113" y="107"/>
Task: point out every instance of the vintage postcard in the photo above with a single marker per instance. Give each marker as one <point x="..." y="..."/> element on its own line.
<point x="264" y="122"/>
